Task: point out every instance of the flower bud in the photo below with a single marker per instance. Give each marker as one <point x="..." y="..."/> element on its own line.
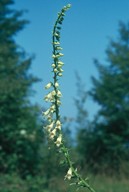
<point x="55" y="70"/>
<point x="61" y="70"/>
<point x="56" y="34"/>
<point x="56" y="43"/>
<point x="53" y="56"/>
<point x="59" y="48"/>
<point x="58" y="102"/>
<point x="68" y="6"/>
<point x="60" y="63"/>
<point x="60" y="74"/>
<point x="53" y="93"/>
<point x="61" y="54"/>
<point x="53" y="65"/>
<point x="48" y="85"/>
<point x="56" y="84"/>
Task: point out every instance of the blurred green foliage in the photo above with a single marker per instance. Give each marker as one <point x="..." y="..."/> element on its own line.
<point x="19" y="122"/>
<point x="105" y="146"/>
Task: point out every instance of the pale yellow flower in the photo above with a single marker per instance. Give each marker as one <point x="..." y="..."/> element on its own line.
<point x="49" y="118"/>
<point x="68" y="6"/>
<point x="52" y="108"/>
<point x="59" y="94"/>
<point x="61" y="54"/>
<point x="56" y="43"/>
<point x="53" y="56"/>
<point x="59" y="141"/>
<point x="55" y="70"/>
<point x="50" y="126"/>
<point x="69" y="174"/>
<point x="46" y="112"/>
<point x="57" y="55"/>
<point x="59" y="74"/>
<point x="48" y="85"/>
<point x="56" y="84"/>
<point x="53" y="93"/>
<point x="60" y="63"/>
<point x="52" y="134"/>
<point x="58" y="102"/>
<point x="61" y="70"/>
<point x="58" y="124"/>
<point x="59" y="48"/>
<point x="50" y="96"/>
<point x="56" y="34"/>
<point x="53" y="65"/>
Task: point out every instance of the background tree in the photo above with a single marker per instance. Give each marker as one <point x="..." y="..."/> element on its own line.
<point x="82" y="123"/>
<point x="19" y="126"/>
<point x="109" y="145"/>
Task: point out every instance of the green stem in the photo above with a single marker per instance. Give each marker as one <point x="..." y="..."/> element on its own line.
<point x="74" y="171"/>
<point x="80" y="180"/>
<point x="55" y="62"/>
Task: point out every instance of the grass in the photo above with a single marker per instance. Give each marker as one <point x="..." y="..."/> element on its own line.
<point x="100" y="183"/>
<point x="109" y="184"/>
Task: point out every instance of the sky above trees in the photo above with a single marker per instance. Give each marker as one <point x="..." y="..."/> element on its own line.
<point x="85" y="35"/>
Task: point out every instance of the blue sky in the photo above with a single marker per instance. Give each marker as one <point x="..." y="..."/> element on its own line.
<point x="85" y="34"/>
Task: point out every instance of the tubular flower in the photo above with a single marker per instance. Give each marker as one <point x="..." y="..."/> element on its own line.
<point x="61" y="54"/>
<point x="58" y="124"/>
<point x="61" y="70"/>
<point x="48" y="85"/>
<point x="52" y="134"/>
<point x="55" y="70"/>
<point x="59" y="74"/>
<point x="59" y="94"/>
<point x="46" y="113"/>
<point x="53" y="65"/>
<point x="58" y="102"/>
<point x="59" y="141"/>
<point x="52" y="108"/>
<point x="60" y="63"/>
<point x="56" y="84"/>
<point x="69" y="174"/>
<point x="49" y="118"/>
<point x="48" y="97"/>
<point x="53" y="93"/>
<point x="50" y="126"/>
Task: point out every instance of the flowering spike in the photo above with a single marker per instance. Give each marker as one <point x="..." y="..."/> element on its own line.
<point x="52" y="114"/>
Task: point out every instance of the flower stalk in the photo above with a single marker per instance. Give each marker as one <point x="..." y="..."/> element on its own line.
<point x="52" y="114"/>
